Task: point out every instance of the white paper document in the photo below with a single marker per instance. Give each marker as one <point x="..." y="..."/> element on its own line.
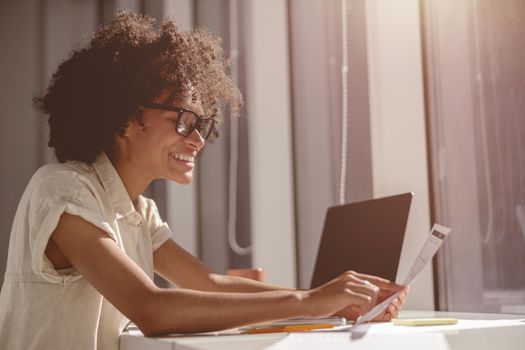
<point x="435" y="239"/>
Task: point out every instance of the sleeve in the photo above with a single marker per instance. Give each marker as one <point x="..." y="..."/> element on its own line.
<point x="48" y="203"/>
<point x="159" y="230"/>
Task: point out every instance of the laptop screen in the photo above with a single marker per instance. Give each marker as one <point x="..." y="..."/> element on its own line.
<point x="366" y="237"/>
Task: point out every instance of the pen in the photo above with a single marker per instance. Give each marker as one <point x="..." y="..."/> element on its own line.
<point x="292" y="328"/>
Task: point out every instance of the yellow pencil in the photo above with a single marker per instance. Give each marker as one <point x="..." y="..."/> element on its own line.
<point x="292" y="328"/>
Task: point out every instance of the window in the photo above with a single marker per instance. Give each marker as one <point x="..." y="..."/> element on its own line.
<point x="474" y="54"/>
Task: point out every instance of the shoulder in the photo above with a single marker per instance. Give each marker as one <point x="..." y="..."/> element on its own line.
<point x="66" y="187"/>
<point x="64" y="179"/>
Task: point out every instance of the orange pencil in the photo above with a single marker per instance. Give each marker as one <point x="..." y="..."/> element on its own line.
<point x="292" y="328"/>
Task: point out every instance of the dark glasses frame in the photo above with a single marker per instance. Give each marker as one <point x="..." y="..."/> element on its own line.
<point x="199" y="120"/>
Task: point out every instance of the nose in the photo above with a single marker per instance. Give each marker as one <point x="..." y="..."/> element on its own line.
<point x="195" y="140"/>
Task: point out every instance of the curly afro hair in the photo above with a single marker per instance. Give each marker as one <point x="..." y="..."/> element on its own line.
<point x="95" y="92"/>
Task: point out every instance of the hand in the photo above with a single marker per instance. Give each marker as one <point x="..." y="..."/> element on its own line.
<point x="386" y="289"/>
<point x="388" y="314"/>
<point x="349" y="295"/>
<point x="393" y="309"/>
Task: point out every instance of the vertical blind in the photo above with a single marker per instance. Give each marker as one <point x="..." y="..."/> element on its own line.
<point x="475" y="68"/>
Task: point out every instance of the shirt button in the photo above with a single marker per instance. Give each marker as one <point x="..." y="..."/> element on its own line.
<point x="136" y="218"/>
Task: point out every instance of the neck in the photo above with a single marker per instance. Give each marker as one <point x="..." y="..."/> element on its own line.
<point x="131" y="175"/>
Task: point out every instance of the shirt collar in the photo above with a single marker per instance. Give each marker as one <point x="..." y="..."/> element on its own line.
<point x="114" y="187"/>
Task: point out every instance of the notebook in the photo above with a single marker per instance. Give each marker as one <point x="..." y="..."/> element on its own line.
<point x="366" y="237"/>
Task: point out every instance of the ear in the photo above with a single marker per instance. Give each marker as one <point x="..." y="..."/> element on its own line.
<point x="123" y="132"/>
<point x="133" y="128"/>
<point x="134" y="124"/>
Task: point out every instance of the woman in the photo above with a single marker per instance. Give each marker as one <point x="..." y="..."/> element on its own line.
<point x="137" y="104"/>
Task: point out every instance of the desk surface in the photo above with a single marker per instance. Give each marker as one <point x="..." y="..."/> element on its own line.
<point x="493" y="331"/>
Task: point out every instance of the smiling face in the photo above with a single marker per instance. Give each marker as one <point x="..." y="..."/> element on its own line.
<point x="157" y="149"/>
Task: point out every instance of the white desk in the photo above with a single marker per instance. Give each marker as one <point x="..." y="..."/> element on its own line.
<point x="493" y="332"/>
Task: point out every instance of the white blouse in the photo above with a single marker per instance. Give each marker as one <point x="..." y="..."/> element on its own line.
<point x="44" y="308"/>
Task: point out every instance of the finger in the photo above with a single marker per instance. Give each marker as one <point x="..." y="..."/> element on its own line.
<point x="352" y="276"/>
<point x="360" y="302"/>
<point x="385" y="294"/>
<point x="358" y="299"/>
<point x="386" y="315"/>
<point x="380" y="282"/>
<point x="404" y="292"/>
<point x="365" y="283"/>
<point x="392" y="312"/>
<point x="397" y="302"/>
<point x="402" y="296"/>
<point x="364" y="288"/>
<point x="389" y="314"/>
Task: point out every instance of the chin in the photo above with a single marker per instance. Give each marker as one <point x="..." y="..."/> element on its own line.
<point x="182" y="180"/>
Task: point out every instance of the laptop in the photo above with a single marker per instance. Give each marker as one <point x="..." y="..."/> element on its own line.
<point x="365" y="237"/>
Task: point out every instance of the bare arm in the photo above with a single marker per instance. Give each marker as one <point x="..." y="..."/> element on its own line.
<point x="181" y="268"/>
<point x="160" y="311"/>
<point x="184" y="270"/>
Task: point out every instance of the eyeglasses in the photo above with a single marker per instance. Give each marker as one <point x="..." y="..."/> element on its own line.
<point x="187" y="120"/>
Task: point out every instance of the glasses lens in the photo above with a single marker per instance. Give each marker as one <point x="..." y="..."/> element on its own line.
<point x="206" y="127"/>
<point x="189" y="121"/>
<point x="186" y="123"/>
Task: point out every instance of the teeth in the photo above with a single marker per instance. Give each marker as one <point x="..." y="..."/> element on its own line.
<point x="183" y="157"/>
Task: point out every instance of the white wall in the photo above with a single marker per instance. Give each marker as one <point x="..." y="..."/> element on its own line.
<point x="270" y="140"/>
<point x="399" y="149"/>
<point x="317" y="120"/>
<point x="19" y="133"/>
